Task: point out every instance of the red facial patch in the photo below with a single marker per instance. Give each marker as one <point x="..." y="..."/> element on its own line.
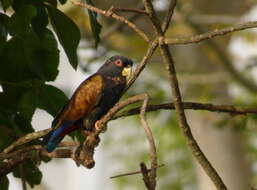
<point x="118" y="63"/>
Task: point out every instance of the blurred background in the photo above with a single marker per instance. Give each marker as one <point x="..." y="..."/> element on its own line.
<point x="219" y="71"/>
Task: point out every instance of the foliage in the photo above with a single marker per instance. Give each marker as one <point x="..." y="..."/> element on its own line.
<point x="29" y="58"/>
<point x="95" y="26"/>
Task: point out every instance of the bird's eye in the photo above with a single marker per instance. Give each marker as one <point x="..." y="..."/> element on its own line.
<point x="118" y="63"/>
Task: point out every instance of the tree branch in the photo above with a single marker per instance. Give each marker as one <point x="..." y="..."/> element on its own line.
<point x="167" y="19"/>
<point x="189" y="105"/>
<point x="117" y="25"/>
<point x="133" y="173"/>
<point x="133" y="10"/>
<point x="167" y="58"/>
<point x="146" y="177"/>
<point x="228" y="65"/>
<point x="92" y="138"/>
<point x="210" y="34"/>
<point x="11" y="160"/>
<point x="27" y="138"/>
<point x="110" y="13"/>
<point x="140" y="67"/>
<point x="150" y="138"/>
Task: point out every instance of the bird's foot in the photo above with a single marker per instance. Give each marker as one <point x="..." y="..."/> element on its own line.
<point x="98" y="125"/>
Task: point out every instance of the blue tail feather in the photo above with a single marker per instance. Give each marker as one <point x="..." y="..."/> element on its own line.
<point x="52" y="139"/>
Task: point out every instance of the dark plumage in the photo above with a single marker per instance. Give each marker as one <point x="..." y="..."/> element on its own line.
<point x="92" y="99"/>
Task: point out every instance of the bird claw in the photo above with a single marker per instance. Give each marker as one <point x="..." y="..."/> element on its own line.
<point x="98" y="126"/>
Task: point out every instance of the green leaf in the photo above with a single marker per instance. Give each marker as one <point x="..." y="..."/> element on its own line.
<point x="40" y="21"/>
<point x="47" y="97"/>
<point x="43" y="58"/>
<point x="10" y="97"/>
<point x="3" y="28"/>
<point x="52" y="99"/>
<point x="36" y="60"/>
<point x="67" y="32"/>
<point x="22" y="125"/>
<point x="51" y="2"/>
<point x="4" y="183"/>
<point x="62" y="1"/>
<point x="28" y="104"/>
<point x="31" y="173"/>
<point x="6" y="4"/>
<point x="21" y="20"/>
<point x="17" y="65"/>
<point x="7" y="134"/>
<point x="95" y="26"/>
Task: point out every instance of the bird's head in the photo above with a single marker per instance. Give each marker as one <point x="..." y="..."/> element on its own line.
<point x="117" y="66"/>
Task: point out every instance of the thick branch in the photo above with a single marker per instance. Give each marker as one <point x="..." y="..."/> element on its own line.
<point x="110" y="13"/>
<point x="210" y="34"/>
<point x="146" y="177"/>
<point x="92" y="138"/>
<point x="167" y="58"/>
<point x="27" y="138"/>
<point x="10" y="161"/>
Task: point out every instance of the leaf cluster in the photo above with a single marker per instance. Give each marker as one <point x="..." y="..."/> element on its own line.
<point x="29" y="57"/>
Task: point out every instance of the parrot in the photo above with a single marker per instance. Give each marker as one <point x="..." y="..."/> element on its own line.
<point x="93" y="98"/>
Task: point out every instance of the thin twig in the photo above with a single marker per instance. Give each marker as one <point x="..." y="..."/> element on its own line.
<point x="192" y="106"/>
<point x="167" y="19"/>
<point x="221" y="54"/>
<point x="110" y="13"/>
<point x="133" y="173"/>
<point x="133" y="10"/>
<point x="117" y="26"/>
<point x="150" y="138"/>
<point x="120" y="105"/>
<point x="167" y="58"/>
<point x="210" y="34"/>
<point x="140" y="67"/>
<point x="213" y="19"/>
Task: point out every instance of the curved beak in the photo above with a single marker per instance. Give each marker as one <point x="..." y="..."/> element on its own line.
<point x="126" y="72"/>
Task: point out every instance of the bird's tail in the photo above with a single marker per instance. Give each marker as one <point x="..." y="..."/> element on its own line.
<point x="52" y="139"/>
